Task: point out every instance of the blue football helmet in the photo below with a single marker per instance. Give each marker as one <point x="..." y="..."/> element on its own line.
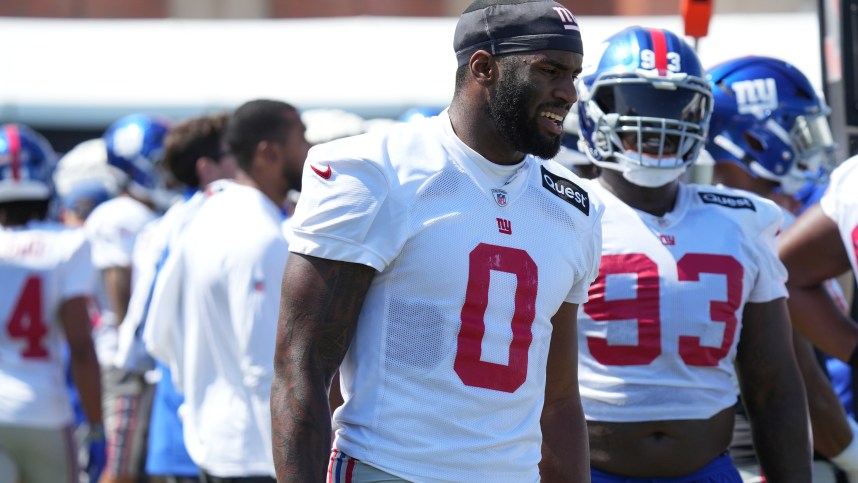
<point x="135" y="146"/>
<point x="769" y="119"/>
<point x="644" y="103"/>
<point x="26" y="164"/>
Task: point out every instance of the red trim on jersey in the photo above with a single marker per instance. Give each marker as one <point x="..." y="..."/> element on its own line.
<point x="659" y="47"/>
<point x="14" y="137"/>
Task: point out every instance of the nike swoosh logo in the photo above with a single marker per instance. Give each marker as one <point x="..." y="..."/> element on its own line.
<point x="326" y="174"/>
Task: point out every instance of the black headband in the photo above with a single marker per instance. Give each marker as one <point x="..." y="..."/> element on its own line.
<point x="510" y="26"/>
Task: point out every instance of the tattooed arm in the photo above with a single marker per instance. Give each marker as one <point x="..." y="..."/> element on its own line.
<point x="319" y="307"/>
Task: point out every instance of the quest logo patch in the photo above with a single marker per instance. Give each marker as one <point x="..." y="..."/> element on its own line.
<point x="566" y="190"/>
<point x="737" y="202"/>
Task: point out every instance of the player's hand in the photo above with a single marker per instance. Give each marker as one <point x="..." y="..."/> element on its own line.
<point x="96" y="452"/>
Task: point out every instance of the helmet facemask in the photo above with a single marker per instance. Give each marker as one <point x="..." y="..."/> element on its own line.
<point x="650" y="128"/>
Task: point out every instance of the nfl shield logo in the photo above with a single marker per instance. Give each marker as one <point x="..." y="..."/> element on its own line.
<point x="500" y="197"/>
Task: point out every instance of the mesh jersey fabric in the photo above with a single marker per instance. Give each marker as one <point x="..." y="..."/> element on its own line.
<point x="658" y="337"/>
<point x="42" y="265"/>
<point x="444" y="379"/>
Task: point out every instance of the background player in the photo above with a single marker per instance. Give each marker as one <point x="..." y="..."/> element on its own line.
<point x="821" y="244"/>
<point x="134" y="146"/>
<point x="678" y="316"/>
<point x="770" y="135"/>
<point x="195" y="155"/>
<point x="47" y="279"/>
<point x="214" y="311"/>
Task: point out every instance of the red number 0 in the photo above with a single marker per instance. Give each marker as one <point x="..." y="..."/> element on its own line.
<point x="646" y="310"/>
<point x="27" y="322"/>
<point x="471" y="369"/>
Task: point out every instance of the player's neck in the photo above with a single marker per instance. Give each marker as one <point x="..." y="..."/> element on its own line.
<point x="655" y="201"/>
<point x="478" y="133"/>
<point x="268" y="187"/>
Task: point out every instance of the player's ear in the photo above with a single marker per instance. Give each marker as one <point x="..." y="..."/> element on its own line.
<point x="268" y="151"/>
<point x="483" y="67"/>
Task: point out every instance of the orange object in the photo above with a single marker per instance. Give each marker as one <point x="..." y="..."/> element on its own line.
<point x="696" y="15"/>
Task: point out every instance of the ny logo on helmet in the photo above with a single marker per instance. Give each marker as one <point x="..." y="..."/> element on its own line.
<point x="569" y="21"/>
<point x="756" y="96"/>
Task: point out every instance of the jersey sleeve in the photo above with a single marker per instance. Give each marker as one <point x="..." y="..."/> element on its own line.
<point x="112" y="235"/>
<point x="112" y="249"/>
<point x="345" y="212"/>
<point x="591" y="253"/>
<point x="78" y="275"/>
<point x="771" y="279"/>
<point x="836" y="202"/>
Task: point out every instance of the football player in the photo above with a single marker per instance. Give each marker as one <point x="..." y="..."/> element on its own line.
<point x="689" y="305"/>
<point x="133" y="144"/>
<point x="821" y="244"/>
<point x="769" y="135"/>
<point x="195" y="156"/>
<point x="439" y="264"/>
<point x="83" y="180"/>
<point x="47" y="280"/>
<point x="213" y="315"/>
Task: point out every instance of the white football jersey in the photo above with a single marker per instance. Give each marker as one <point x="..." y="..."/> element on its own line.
<point x="220" y="288"/>
<point x="150" y="252"/>
<point x="657" y="339"/>
<point x="840" y="203"/>
<point x="112" y="230"/>
<point x="41" y="265"/>
<point x="445" y="377"/>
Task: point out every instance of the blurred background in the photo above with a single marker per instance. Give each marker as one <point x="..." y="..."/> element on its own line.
<point x="74" y="66"/>
<point x="339" y="8"/>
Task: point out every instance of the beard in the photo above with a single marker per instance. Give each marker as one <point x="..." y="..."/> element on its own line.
<point x="508" y="107"/>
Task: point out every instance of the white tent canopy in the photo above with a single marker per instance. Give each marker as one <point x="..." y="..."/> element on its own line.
<point x="86" y="73"/>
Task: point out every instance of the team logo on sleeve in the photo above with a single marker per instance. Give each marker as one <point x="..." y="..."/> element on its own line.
<point x="737" y="202"/>
<point x="566" y="190"/>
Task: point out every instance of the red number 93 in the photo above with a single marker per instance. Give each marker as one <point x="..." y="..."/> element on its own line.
<point x="645" y="309"/>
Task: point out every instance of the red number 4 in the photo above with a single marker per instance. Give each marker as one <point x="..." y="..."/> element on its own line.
<point x="26" y="321"/>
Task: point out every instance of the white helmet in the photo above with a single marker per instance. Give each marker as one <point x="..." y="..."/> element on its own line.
<point x="87" y="163"/>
